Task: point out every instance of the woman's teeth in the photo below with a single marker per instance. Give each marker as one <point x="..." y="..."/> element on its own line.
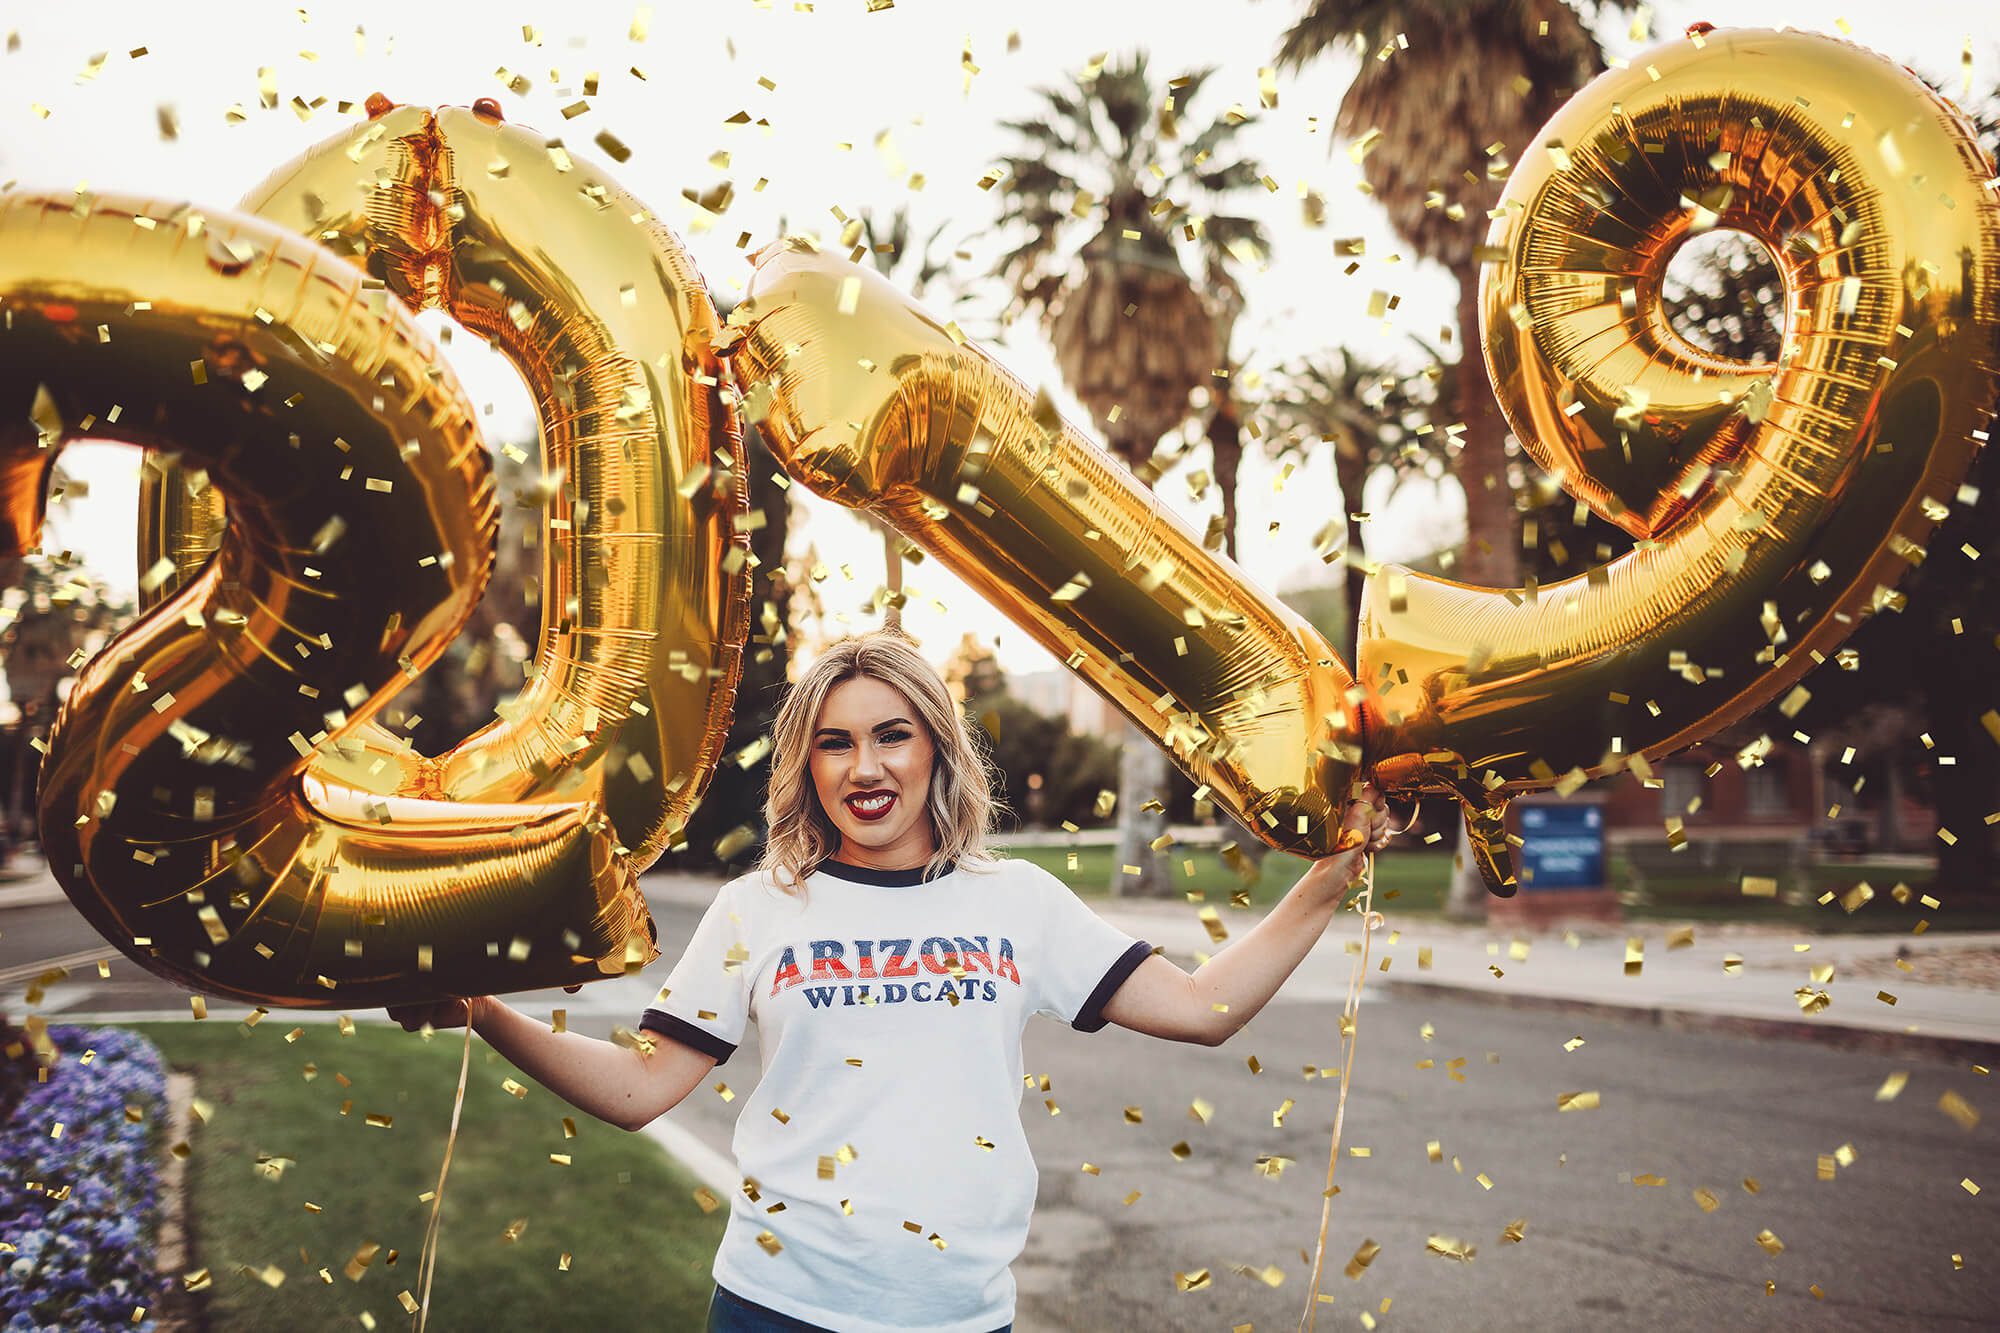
<point x="871" y="805"/>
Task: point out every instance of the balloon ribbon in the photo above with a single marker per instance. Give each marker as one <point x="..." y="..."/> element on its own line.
<point x="427" y="1263"/>
<point x="1349" y="1022"/>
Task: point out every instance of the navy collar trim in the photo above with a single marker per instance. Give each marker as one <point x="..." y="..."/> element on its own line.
<point x="893" y="879"/>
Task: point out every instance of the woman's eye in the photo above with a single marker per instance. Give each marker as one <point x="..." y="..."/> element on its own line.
<point x="833" y="745"/>
<point x="895" y="735"/>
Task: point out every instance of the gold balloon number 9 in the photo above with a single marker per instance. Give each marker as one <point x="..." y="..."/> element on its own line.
<point x="215" y="797"/>
<point x="1775" y="505"/>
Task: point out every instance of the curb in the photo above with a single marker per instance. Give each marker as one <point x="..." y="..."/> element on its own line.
<point x="31" y="895"/>
<point x="1840" y="1036"/>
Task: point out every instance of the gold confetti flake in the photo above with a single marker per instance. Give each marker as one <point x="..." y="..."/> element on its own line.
<point x="1513" y="1233"/>
<point x="1770" y="1242"/>
<point x="1960" y="1110"/>
<point x="1706" y="1200"/>
<point x="1577" y="1101"/>
<point x="1450" y="1247"/>
<point x="1968" y="1186"/>
<point x="1363" y="1257"/>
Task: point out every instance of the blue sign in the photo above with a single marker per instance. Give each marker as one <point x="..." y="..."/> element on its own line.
<point x="1562" y="845"/>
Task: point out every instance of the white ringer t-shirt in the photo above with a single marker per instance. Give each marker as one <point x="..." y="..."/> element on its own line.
<point x="889" y="1013"/>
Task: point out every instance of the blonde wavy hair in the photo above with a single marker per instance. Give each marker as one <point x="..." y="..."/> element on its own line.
<point x="961" y="803"/>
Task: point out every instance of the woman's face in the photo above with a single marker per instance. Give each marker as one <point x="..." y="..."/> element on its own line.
<point x="871" y="765"/>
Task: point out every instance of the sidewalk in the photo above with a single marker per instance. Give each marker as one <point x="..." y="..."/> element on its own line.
<point x="1721" y="977"/>
<point x="1714" y="976"/>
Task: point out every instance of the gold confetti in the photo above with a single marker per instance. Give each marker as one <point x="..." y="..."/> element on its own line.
<point x="1959" y="1109"/>
<point x="1576" y="1101"/>
<point x="1706" y="1199"/>
<point x="1770" y="1242"/>
<point x="1363" y="1257"/>
<point x="1450" y="1247"/>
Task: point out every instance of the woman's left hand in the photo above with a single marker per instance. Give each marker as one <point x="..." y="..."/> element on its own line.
<point x="1330" y="876"/>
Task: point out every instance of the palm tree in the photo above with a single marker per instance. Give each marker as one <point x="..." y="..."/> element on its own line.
<point x="1372" y="418"/>
<point x="1454" y="88"/>
<point x="1138" y="312"/>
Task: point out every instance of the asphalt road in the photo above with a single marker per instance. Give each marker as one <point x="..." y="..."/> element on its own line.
<point x="1602" y="1245"/>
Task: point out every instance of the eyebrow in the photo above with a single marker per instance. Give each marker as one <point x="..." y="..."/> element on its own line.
<point x="842" y="731"/>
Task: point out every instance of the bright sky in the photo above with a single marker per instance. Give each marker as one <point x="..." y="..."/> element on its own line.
<point x="844" y="76"/>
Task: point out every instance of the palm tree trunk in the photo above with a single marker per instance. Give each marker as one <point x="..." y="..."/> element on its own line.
<point x="1142" y="778"/>
<point x="1350" y="470"/>
<point x="1491" y="556"/>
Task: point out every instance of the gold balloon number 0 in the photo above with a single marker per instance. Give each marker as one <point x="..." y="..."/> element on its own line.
<point x="215" y="797"/>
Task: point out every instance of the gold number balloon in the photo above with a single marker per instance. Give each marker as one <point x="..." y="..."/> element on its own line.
<point x="1776" y="505"/>
<point x="343" y="868"/>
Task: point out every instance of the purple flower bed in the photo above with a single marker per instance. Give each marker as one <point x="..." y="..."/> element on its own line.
<point x="87" y="1260"/>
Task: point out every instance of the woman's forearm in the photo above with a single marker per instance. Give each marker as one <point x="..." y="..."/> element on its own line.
<point x="1237" y="982"/>
<point x="597" y="1077"/>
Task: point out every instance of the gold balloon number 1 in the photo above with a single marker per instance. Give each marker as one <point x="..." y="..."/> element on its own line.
<point x="1775" y="506"/>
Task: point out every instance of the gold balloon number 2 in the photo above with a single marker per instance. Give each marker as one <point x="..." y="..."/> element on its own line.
<point x="219" y="803"/>
<point x="1775" y="506"/>
<point x="215" y="797"/>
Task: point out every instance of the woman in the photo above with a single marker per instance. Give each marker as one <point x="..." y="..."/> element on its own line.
<point x="890" y="963"/>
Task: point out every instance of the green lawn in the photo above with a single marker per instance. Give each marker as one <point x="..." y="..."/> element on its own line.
<point x="641" y="1246"/>
<point x="1413" y="882"/>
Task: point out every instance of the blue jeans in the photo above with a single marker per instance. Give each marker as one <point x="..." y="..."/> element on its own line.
<point x="730" y="1313"/>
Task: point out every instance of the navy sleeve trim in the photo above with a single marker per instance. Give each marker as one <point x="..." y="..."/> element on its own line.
<point x="1091" y="1017"/>
<point x="687" y="1034"/>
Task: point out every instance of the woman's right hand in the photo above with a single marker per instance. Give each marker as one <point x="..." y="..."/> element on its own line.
<point x="440" y="1015"/>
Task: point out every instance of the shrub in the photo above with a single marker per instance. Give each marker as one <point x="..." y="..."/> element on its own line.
<point x="83" y="1238"/>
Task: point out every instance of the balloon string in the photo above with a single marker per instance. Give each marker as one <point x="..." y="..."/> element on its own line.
<point x="427" y="1264"/>
<point x="1350" y="1021"/>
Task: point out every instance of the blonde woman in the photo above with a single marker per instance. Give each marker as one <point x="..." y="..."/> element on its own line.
<point x="890" y="963"/>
